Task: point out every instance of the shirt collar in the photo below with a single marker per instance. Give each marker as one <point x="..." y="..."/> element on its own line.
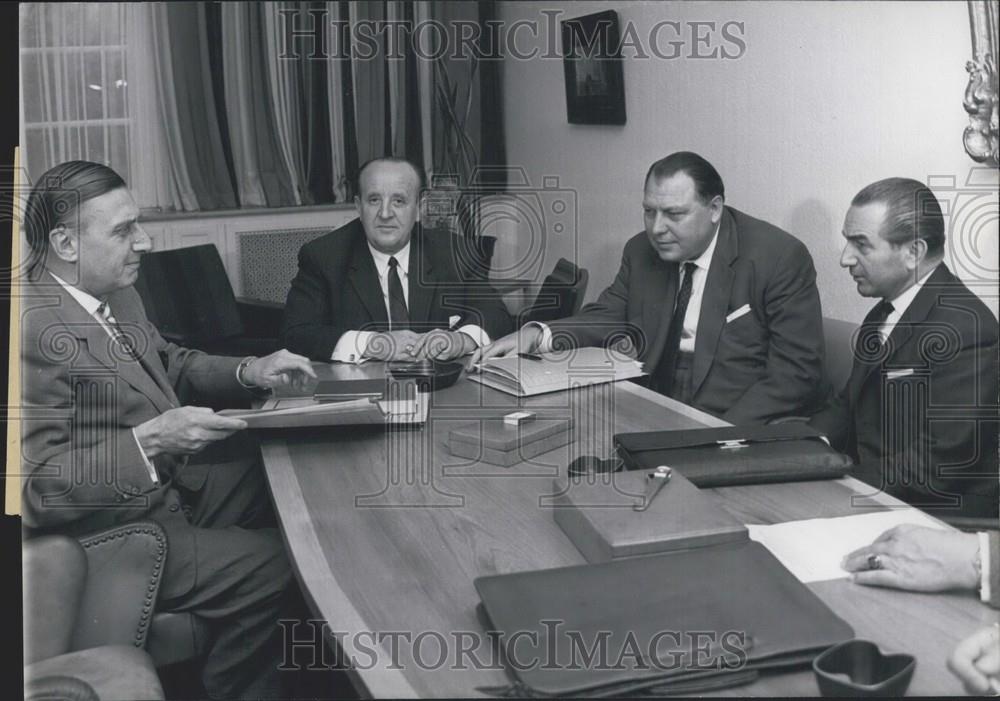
<point x="85" y="299"/>
<point x="381" y="259"/>
<point x="905" y="298"/>
<point x="705" y="259"/>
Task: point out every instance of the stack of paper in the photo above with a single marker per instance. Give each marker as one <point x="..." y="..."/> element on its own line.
<point x="294" y="412"/>
<point x="813" y="549"/>
<point x="527" y="375"/>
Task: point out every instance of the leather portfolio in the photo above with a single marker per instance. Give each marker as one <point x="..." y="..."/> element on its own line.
<point x="498" y="443"/>
<point x="717" y="457"/>
<point x="598" y="515"/>
<point x="678" y="622"/>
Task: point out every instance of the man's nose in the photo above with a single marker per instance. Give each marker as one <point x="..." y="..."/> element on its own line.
<point x="660" y="224"/>
<point x="847" y="258"/>
<point x="384" y="210"/>
<point x="141" y="242"/>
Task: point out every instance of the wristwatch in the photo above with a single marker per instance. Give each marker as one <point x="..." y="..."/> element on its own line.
<point x="244" y="364"/>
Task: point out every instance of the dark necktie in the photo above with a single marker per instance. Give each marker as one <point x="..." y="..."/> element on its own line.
<point x="868" y="346"/>
<point x="399" y="316"/>
<point x="665" y="369"/>
<point x="120" y="337"/>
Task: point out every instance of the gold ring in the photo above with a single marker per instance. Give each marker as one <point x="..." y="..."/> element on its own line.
<point x="874" y="562"/>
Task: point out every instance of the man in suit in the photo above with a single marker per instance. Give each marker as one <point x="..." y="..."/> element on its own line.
<point x="115" y="428"/>
<point x="723" y="308"/>
<point x="383" y="288"/>
<point x="919" y="411"/>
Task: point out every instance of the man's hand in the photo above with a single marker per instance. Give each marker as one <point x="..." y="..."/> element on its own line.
<point x="444" y="345"/>
<point x="918" y="558"/>
<point x="184" y="430"/>
<point x="278" y="369"/>
<point x="524" y="341"/>
<point x="976" y="661"/>
<point x="393" y="345"/>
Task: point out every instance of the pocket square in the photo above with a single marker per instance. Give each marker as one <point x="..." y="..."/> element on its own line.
<point x="452" y="320"/>
<point x="734" y="315"/>
<point x="895" y="374"/>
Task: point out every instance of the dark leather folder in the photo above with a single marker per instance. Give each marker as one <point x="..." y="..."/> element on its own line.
<point x="679" y="622"/>
<point x="717" y="457"/>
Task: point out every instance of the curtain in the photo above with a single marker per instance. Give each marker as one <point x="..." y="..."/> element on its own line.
<point x="229" y="122"/>
<point x="336" y="94"/>
<point x="195" y="148"/>
<point x="261" y="171"/>
<point x="368" y="75"/>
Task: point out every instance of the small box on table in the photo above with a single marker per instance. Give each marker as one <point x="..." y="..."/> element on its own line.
<point x="597" y="515"/>
<point x="500" y="443"/>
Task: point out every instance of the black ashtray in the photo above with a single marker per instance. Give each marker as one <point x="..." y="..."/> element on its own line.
<point x="429" y="375"/>
<point x="592" y="465"/>
<point x="860" y="668"/>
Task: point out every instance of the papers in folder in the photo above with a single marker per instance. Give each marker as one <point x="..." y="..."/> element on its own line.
<point x="295" y="412"/>
<point x="527" y="375"/>
<point x="812" y="549"/>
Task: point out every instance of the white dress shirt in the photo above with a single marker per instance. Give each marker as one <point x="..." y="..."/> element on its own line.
<point x="703" y="262"/>
<point x="690" y="328"/>
<point x="351" y="345"/>
<point x="90" y="305"/>
<point x="900" y="304"/>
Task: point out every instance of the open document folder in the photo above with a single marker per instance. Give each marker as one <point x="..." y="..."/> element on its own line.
<point x="528" y="374"/>
<point x="305" y="411"/>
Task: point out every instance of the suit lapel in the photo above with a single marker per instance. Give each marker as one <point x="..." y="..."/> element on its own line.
<point x="420" y="279"/>
<point x="364" y="279"/>
<point x="902" y="332"/>
<point x="105" y="351"/>
<point x="714" y="301"/>
<point x="660" y="291"/>
<point x="130" y="314"/>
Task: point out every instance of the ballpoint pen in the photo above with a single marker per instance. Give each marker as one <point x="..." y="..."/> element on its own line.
<point x="655" y="481"/>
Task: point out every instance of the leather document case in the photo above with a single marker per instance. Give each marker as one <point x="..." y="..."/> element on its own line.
<point x="598" y="516"/>
<point x="677" y="622"/>
<point x="717" y="457"/>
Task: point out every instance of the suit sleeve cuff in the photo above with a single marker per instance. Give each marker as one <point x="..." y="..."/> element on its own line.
<point x="351" y="347"/>
<point x="545" y="344"/>
<point x="477" y="334"/>
<point x="149" y="465"/>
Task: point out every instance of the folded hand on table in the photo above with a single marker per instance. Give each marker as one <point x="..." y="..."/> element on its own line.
<point x="917" y="558"/>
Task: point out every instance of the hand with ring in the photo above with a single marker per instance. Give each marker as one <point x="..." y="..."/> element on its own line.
<point x="392" y="345"/>
<point x="917" y="558"/>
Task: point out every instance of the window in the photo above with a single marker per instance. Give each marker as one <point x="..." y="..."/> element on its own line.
<point x="74" y="85"/>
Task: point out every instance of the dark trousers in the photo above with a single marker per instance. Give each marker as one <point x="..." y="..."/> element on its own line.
<point x="242" y="580"/>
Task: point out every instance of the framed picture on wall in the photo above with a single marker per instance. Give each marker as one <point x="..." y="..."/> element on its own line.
<point x="595" y="88"/>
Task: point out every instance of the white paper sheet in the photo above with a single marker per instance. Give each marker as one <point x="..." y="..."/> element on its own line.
<point x="813" y="549"/>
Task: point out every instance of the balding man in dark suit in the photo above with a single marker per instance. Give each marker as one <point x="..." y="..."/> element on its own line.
<point x="723" y="307"/>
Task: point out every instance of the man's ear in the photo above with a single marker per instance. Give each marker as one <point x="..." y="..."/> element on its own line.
<point x="421" y="203"/>
<point x="65" y="243"/>
<point x="917" y="254"/>
<point x="357" y="204"/>
<point x="716" y="206"/>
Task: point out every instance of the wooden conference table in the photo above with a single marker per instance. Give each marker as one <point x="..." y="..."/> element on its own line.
<point x="388" y="530"/>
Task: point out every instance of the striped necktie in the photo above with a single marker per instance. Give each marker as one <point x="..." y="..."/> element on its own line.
<point x="121" y="338"/>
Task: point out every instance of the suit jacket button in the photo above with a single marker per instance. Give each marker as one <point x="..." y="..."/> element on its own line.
<point x="174" y="508"/>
